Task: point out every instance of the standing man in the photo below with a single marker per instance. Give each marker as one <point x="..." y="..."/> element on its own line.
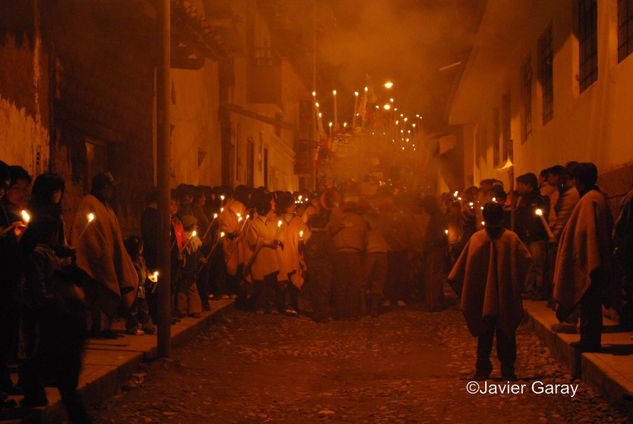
<point x="96" y="235"/>
<point x="349" y="233"/>
<point x="491" y="271"/>
<point x="583" y="262"/>
<point x="532" y="232"/>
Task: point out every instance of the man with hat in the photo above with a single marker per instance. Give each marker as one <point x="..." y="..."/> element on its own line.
<point x="490" y="274"/>
<point x="101" y="253"/>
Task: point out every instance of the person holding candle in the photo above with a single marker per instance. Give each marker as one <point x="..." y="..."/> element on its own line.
<point x="231" y="220"/>
<point x="11" y="228"/>
<point x="102" y="255"/>
<point x="188" y="302"/>
<point x="138" y="320"/>
<point x="532" y="231"/>
<point x="295" y="233"/>
<point x="263" y="238"/>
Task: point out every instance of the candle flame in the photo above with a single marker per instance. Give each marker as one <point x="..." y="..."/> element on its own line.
<point x="91" y="217"/>
<point x="539" y="212"/>
<point x="387" y="106"/>
<point x="388" y="84"/>
<point x="25" y="216"/>
<point x="195" y="233"/>
<point x="446" y="231"/>
<point x="279" y="223"/>
<point x="483" y="223"/>
<point x="222" y="234"/>
<point x="215" y="216"/>
<point x="301" y="234"/>
<point x="153" y="277"/>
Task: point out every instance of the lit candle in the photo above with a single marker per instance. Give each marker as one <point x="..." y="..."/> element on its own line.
<point x="195" y="233"/>
<point x="446" y="231"/>
<point x="153" y="277"/>
<point x="335" y="110"/>
<point x="90" y="217"/>
<point x="539" y="213"/>
<point x="25" y="216"/>
<point x="222" y="234"/>
<point x="355" y="109"/>
<point x="301" y="234"/>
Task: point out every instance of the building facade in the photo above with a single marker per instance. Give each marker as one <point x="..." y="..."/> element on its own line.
<point x="549" y="82"/>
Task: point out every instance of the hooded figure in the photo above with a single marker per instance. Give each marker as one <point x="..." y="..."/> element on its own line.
<point x="491" y="272"/>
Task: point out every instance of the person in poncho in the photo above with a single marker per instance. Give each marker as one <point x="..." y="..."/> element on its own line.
<point x="583" y="262"/>
<point x="102" y="255"/>
<point x="491" y="272"/>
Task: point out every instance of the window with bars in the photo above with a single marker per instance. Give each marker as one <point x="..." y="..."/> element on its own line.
<point x="588" y="42"/>
<point x="625" y="29"/>
<point x="546" y="73"/>
<point x="526" y="99"/>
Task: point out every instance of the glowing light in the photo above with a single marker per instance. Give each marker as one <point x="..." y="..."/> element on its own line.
<point x="456" y="194"/>
<point x="413" y="125"/>
<point x="391" y="100"/>
<point x="356" y="93"/>
<point x="402" y="147"/>
<point x="314" y="94"/>
<point x="153" y="277"/>
<point x="334" y="92"/>
<point x="320" y="115"/>
<point x="388" y="84"/>
<point x="316" y="104"/>
<point x="446" y="231"/>
<point x="406" y="119"/>
<point x="397" y="122"/>
<point x="25" y="216"/>
<point x="194" y="234"/>
<point x="215" y="216"/>
<point x="471" y="204"/>
<point x="395" y="109"/>
<point x="91" y="217"/>
<point x="300" y="234"/>
<point x="221" y="210"/>
<point x="482" y="208"/>
<point x="401" y="131"/>
<point x="222" y="197"/>
<point x="459" y="198"/>
<point x="387" y="106"/>
<point x="494" y="199"/>
<point x="222" y="234"/>
<point x="539" y="212"/>
<point x="377" y="107"/>
<point x="279" y="224"/>
<point x="330" y="124"/>
<point x="300" y="197"/>
<point x="344" y="124"/>
<point x="483" y="223"/>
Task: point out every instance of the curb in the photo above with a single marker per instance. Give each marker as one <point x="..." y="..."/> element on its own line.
<point x="108" y="364"/>
<point x="609" y="372"/>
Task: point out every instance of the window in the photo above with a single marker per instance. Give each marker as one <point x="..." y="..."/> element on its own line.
<point x="546" y="73"/>
<point x="496" y="135"/>
<point x="588" y="42"/>
<point x="506" y="130"/>
<point x="526" y="98"/>
<point x="625" y="29"/>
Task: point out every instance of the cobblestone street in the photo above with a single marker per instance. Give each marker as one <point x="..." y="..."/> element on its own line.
<point x="407" y="366"/>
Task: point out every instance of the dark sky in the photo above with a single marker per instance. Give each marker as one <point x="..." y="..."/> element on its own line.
<point x="406" y="41"/>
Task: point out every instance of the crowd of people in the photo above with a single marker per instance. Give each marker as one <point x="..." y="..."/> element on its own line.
<point x="352" y="249"/>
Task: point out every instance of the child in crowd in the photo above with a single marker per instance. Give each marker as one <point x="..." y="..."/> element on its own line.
<point x="187" y="297"/>
<point x="138" y="320"/>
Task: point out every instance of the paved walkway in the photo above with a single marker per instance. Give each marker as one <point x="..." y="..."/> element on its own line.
<point x="610" y="371"/>
<point x="110" y="364"/>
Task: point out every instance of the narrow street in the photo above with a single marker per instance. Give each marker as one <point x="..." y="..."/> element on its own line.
<point x="407" y="366"/>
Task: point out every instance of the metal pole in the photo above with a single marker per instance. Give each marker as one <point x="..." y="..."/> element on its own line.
<point x="162" y="164"/>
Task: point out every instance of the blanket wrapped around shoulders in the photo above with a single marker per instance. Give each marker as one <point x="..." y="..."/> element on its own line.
<point x="102" y="255"/>
<point x="492" y="274"/>
<point x="584" y="251"/>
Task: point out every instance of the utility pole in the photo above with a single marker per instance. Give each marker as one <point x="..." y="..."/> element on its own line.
<point x="162" y="163"/>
